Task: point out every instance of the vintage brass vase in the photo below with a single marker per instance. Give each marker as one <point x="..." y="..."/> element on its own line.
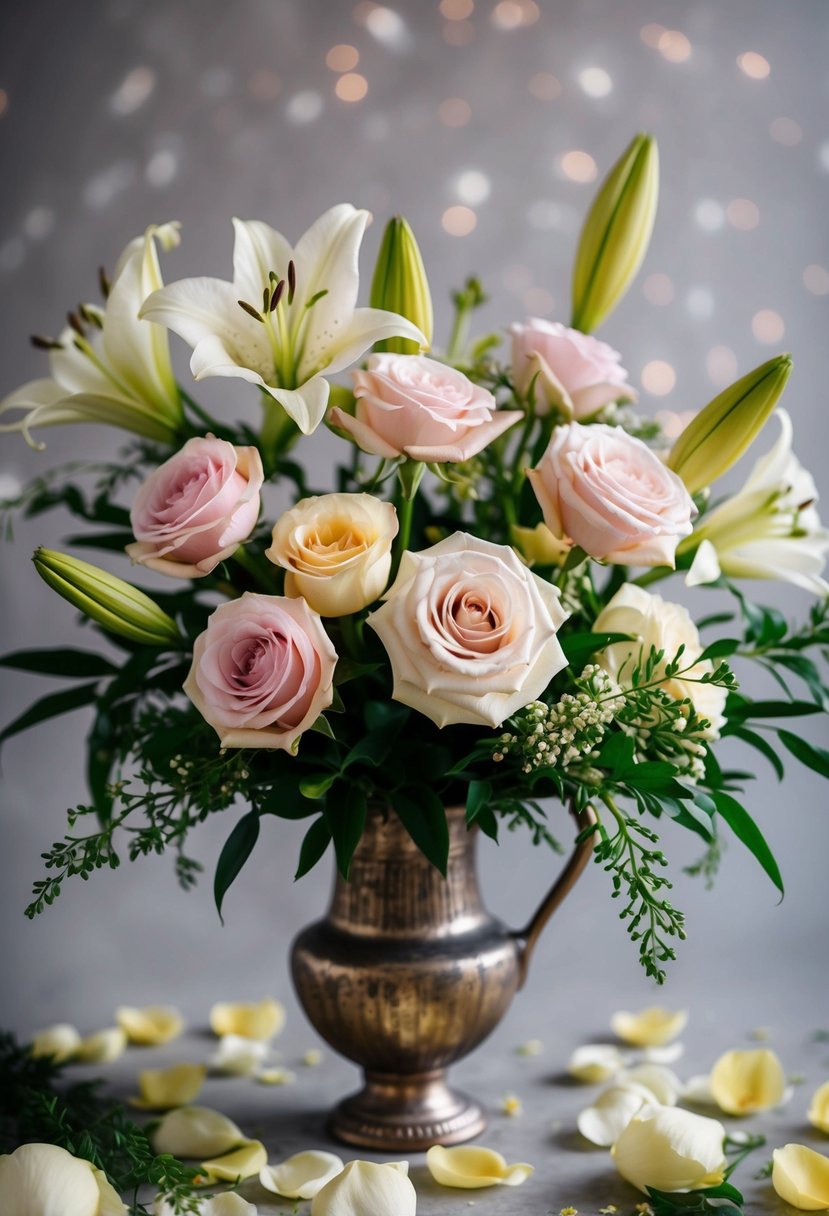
<point x="407" y="973"/>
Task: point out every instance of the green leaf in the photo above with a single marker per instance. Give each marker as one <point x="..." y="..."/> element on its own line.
<point x="746" y="830"/>
<point x="478" y="798"/>
<point x="346" y="822"/>
<point x="237" y="849"/>
<point x="616" y="754"/>
<point x="351" y="669"/>
<point x="115" y="542"/>
<point x="285" y="800"/>
<point x="51" y="706"/>
<point x="317" y="785"/>
<point x="317" y="840"/>
<point x="723" y="648"/>
<point x="323" y="727"/>
<point x="425" y="821"/>
<point x="580" y="647"/>
<point x="814" y="757"/>
<point x="763" y="746"/>
<point x="80" y="664"/>
<point x="744" y="710"/>
<point x="383" y="730"/>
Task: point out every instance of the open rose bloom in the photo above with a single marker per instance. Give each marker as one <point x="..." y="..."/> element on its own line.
<point x="460" y="582"/>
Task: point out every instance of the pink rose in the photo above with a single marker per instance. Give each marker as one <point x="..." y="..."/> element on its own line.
<point x="262" y="671"/>
<point x="408" y="405"/>
<point x="470" y="632"/>
<point x="574" y="371"/>
<point x="613" y="496"/>
<point x="196" y="508"/>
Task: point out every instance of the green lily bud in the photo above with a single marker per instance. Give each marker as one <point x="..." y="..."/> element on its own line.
<point x="615" y="235"/>
<point x="716" y="439"/>
<point x="400" y="285"/>
<point x="116" y="605"/>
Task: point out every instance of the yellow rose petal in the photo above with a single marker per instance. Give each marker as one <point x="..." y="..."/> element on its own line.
<point x="302" y="1175"/>
<point x="595" y="1062"/>
<point x="245" y="1161"/>
<point x="746" y="1081"/>
<point x="110" y="1202"/>
<point x="276" y="1076"/>
<point x="652" y="1027"/>
<point x="801" y="1177"/>
<point x="44" y="1178"/>
<point x="195" y="1132"/>
<point x="470" y="1166"/>
<point x="260" y="1020"/>
<point x="238" y="1056"/>
<point x="604" y="1121"/>
<point x="103" y="1046"/>
<point x="665" y="1086"/>
<point x="164" y="1088"/>
<point x="365" y="1188"/>
<point x="670" y="1149"/>
<point x="150" y="1026"/>
<point x="60" y="1041"/>
<point x="819" y="1109"/>
<point x="312" y="1057"/>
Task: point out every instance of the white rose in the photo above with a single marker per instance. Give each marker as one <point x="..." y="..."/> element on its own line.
<point x="470" y="632"/>
<point x="337" y="551"/>
<point x="657" y="623"/>
<point x="670" y="1149"/>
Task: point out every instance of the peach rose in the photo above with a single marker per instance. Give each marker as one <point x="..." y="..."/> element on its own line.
<point x="194" y="510"/>
<point x="262" y="671"/>
<point x="613" y="496"/>
<point x="574" y="371"/>
<point x="336" y="549"/>
<point x="408" y="405"/>
<point x="470" y="632"/>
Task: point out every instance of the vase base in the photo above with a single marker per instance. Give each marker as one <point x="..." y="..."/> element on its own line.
<point x="392" y="1113"/>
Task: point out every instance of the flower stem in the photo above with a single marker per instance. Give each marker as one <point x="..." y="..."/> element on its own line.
<point x="409" y="475"/>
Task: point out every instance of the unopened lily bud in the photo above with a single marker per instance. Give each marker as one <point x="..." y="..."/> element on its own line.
<point x="717" y="437"/>
<point x="400" y="285"/>
<point x="616" y="234"/>
<point x="114" y="604"/>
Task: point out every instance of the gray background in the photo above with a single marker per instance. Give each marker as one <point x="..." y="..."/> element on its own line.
<point x="123" y="113"/>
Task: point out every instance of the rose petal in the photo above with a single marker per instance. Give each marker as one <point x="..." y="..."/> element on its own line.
<point x="164" y="1088"/>
<point x="261" y="1020"/>
<point x="604" y="1121"/>
<point x="697" y="1090"/>
<point x="276" y="1076"/>
<point x="228" y="1204"/>
<point x="238" y="1056"/>
<point x="245" y="1161"/>
<point x="60" y="1041"/>
<point x="670" y="1149"/>
<point x="651" y="1027"/>
<point x="42" y="1178"/>
<point x="103" y="1046"/>
<point x="302" y="1175"/>
<point x="664" y="1085"/>
<point x="196" y="1131"/>
<point x="364" y="1188"/>
<point x="595" y="1062"/>
<point x="150" y="1026"/>
<point x="471" y="1166"/>
<point x="668" y="1054"/>
<point x="819" y="1108"/>
<point x="746" y="1081"/>
<point x="110" y="1202"/>
<point x="801" y="1177"/>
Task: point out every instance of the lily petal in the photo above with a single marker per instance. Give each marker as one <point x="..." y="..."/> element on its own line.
<point x="801" y="1177"/>
<point x="238" y="1056"/>
<point x="302" y="1175"/>
<point x="306" y="404"/>
<point x="471" y="1167"/>
<point x="604" y="1121"/>
<point x="258" y="250"/>
<point x="365" y="1188"/>
<point x="42" y="1178"/>
<point x="819" y="1109"/>
<point x="164" y="1088"/>
<point x="595" y="1062"/>
<point x="253" y="1020"/>
<point x="195" y="1132"/>
<point x="651" y="1027"/>
<point x="244" y="1162"/>
<point x="705" y="568"/>
<point x="367" y="326"/>
<point x="60" y="1041"/>
<point x="746" y="1081"/>
<point x="103" y="1046"/>
<point x="150" y="1026"/>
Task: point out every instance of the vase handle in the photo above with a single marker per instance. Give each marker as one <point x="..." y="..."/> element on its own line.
<point x="528" y="937"/>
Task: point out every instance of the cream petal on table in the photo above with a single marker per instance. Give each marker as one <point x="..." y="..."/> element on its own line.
<point x="302" y="1175"/>
<point x="42" y="1178"/>
<point x="244" y="1162"/>
<point x="238" y="1056"/>
<point x="652" y="1027"/>
<point x="150" y="1026"/>
<point x="604" y="1121"/>
<point x="365" y="1188"/>
<point x="275" y="1076"/>
<point x="60" y="1041"/>
<point x="103" y="1046"/>
<point x="595" y="1062"/>
<point x="746" y="1081"/>
<point x="664" y="1085"/>
<point x="164" y="1088"/>
<point x="819" y="1109"/>
<point x="669" y="1054"/>
<point x="697" y="1090"/>
<point x="260" y="1020"/>
<point x="228" y="1204"/>
<point x="196" y="1132"/>
<point x="801" y="1177"/>
<point x="110" y="1202"/>
<point x="471" y="1166"/>
<point x="670" y="1149"/>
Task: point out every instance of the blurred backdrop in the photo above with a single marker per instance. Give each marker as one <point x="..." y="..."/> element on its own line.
<point x="488" y="124"/>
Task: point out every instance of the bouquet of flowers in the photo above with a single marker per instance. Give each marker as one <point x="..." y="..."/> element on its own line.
<point x="467" y="618"/>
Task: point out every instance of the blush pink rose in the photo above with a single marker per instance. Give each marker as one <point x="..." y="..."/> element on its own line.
<point x="574" y="371"/>
<point x="408" y="405"/>
<point x="613" y="496"/>
<point x="194" y="510"/>
<point x="262" y="671"/>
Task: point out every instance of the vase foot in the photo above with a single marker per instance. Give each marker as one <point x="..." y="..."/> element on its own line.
<point x="392" y="1113"/>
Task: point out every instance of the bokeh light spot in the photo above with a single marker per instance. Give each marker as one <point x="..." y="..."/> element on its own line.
<point x="454" y="112"/>
<point x="473" y="187"/>
<point x="162" y="168"/>
<point x="674" y="46"/>
<point x="595" y="82"/>
<point x="721" y="365"/>
<point x="753" y="65"/>
<point x="699" y="303"/>
<point x="39" y="223"/>
<point x="742" y="213"/>
<point x="816" y="279"/>
<point x="544" y="86"/>
<point x="459" y="221"/>
<point x="658" y="378"/>
<point x="709" y="215"/>
<point x="304" y="107"/>
<point x="538" y="302"/>
<point x="134" y="90"/>
<point x="387" y="27"/>
<point x="767" y="326"/>
<point x="351" y="87"/>
<point x="342" y="58"/>
<point x="651" y="33"/>
<point x="578" y="166"/>
<point x="457" y="10"/>
<point x="658" y="289"/>
<point x="264" y="85"/>
<point x="459" y="33"/>
<point x="786" y="131"/>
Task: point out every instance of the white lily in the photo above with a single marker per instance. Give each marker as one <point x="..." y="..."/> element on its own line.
<point x="769" y="529"/>
<point x="289" y="316"/>
<point x="107" y="365"/>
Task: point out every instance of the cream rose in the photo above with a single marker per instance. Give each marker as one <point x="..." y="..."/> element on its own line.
<point x="194" y="510"/>
<point x="613" y="496"/>
<point x="337" y="551"/>
<point x="657" y="623"/>
<point x="573" y="371"/>
<point x="262" y="671"/>
<point x="408" y="405"/>
<point x="470" y="632"/>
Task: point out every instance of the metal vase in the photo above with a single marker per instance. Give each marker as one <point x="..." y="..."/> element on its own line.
<point x="407" y="973"/>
